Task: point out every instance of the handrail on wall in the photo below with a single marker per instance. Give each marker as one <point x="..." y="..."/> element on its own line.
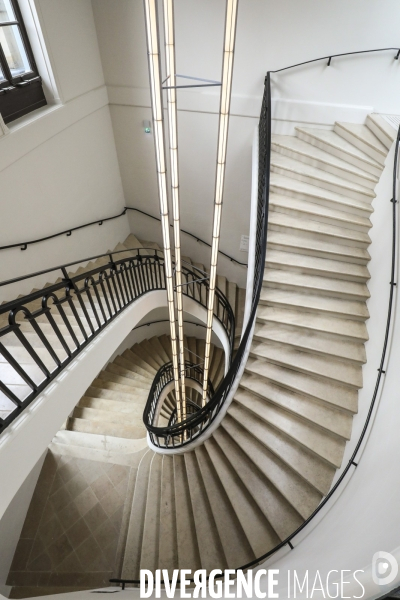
<point x="68" y="233"/>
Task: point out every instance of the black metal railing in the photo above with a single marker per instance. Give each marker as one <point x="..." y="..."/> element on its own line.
<point x="163" y="378"/>
<point x="42" y="332"/>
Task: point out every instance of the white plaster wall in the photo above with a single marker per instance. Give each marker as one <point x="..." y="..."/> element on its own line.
<point x="12" y="522"/>
<point x="58" y="166"/>
<point x="270" y="35"/>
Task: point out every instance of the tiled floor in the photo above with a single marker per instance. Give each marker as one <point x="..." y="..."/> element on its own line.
<point x="71" y="531"/>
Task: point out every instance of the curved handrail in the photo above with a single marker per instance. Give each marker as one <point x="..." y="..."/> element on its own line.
<point x="84" y="305"/>
<point x="164" y="376"/>
<point x="330" y="56"/>
<point x="68" y="233"/>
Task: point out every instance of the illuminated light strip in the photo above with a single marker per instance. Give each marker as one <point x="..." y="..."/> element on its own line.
<point x="226" y="89"/>
<point x="150" y="11"/>
<point x="173" y="147"/>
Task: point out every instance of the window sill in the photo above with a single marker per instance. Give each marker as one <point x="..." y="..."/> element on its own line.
<point x="33" y="116"/>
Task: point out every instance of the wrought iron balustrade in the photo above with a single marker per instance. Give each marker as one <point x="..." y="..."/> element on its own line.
<point x="163" y="378"/>
<point x="42" y="332"/>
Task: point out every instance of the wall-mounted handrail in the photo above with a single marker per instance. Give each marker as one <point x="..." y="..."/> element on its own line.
<point x="68" y="233"/>
<point x="330" y="56"/>
<point x="66" y="316"/>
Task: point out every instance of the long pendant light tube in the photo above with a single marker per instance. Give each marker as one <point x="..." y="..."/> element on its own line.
<point x="226" y="90"/>
<point x="151" y="20"/>
<point x="173" y="148"/>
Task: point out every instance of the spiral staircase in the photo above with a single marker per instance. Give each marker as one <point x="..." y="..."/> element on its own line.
<point x="106" y="505"/>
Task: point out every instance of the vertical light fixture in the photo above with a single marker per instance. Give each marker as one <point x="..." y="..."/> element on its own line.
<point x="226" y="89"/>
<point x="173" y="148"/>
<point x="158" y="123"/>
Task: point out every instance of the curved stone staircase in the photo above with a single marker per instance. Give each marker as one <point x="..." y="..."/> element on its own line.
<point x="272" y="460"/>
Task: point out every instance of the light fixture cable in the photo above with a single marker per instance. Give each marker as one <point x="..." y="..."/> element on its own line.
<point x="169" y="32"/>
<point x="151" y="19"/>
<point x="226" y="90"/>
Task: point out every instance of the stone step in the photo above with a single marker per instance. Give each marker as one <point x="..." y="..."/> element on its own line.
<point x="302" y="496"/>
<point x="274" y="507"/>
<point x="315" y="471"/>
<point x="210" y="548"/>
<point x="308" y="341"/>
<point x="236" y="547"/>
<point x="149" y="557"/>
<point x="133" y="547"/>
<point x="330" y="392"/>
<point x="294" y="169"/>
<point x="328" y="447"/>
<point x="334" y="144"/>
<point x="103" y="428"/>
<point x="314" y="322"/>
<point x="287" y="242"/>
<point x="314" y="284"/>
<point x="383" y="130"/>
<point x="310" y="211"/>
<point x="310" y="303"/>
<point x="317" y="413"/>
<point x="188" y="550"/>
<point x="313" y="265"/>
<point x="285" y="186"/>
<point x="296" y="148"/>
<point x="362" y="138"/>
<point x="315" y="230"/>
<point x="317" y="366"/>
<point x="168" y="542"/>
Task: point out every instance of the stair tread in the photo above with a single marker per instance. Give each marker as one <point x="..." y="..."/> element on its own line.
<point x="314" y="365"/>
<point x="318" y="212"/>
<point x="318" y="413"/>
<point x="288" y="242"/>
<point x="285" y="185"/>
<point x="320" y="157"/>
<point x="300" y="494"/>
<point x="316" y="283"/>
<point x="331" y="392"/>
<point x="309" y="302"/>
<point x="316" y="176"/>
<point x="363" y="133"/>
<point x="312" y="342"/>
<point x="345" y="328"/>
<point x="276" y="259"/>
<point x="280" y="514"/>
<point x="306" y="464"/>
<point x="332" y="139"/>
<point x="318" y="228"/>
<point x="233" y="539"/>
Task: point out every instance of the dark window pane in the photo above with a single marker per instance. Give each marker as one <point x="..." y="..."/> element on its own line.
<point x="14" y="50"/>
<point x="6" y="11"/>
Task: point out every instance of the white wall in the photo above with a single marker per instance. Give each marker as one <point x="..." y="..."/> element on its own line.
<point x="270" y="35"/>
<point x="12" y="522"/>
<point x="58" y="166"/>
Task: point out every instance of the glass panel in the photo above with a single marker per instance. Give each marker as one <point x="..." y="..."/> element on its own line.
<point x="13" y="47"/>
<point x="6" y="11"/>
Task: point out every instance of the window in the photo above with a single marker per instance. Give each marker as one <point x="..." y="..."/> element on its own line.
<point x="21" y="88"/>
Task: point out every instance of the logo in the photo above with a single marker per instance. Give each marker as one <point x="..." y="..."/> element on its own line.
<point x="384" y="568"/>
